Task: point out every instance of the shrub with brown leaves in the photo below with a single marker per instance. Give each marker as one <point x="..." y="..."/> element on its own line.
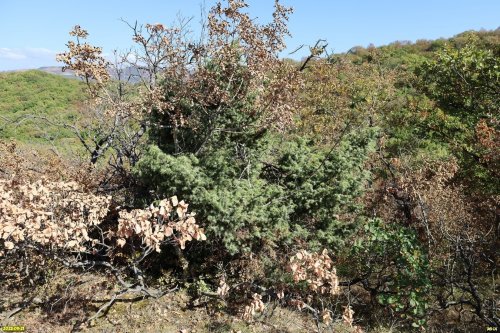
<point x="155" y="224"/>
<point x="317" y="270"/>
<point x="61" y="216"/>
<point x="55" y="214"/>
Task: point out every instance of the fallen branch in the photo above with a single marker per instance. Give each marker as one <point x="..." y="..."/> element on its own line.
<point x="104" y="309"/>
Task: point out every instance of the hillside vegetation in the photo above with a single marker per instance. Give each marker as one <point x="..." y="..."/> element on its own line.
<point x="232" y="190"/>
<point x="32" y="103"/>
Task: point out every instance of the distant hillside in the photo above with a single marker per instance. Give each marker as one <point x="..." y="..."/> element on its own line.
<point x="55" y="94"/>
<point x="58" y="71"/>
<point x="410" y="53"/>
<point x="34" y="92"/>
<point x="130" y="73"/>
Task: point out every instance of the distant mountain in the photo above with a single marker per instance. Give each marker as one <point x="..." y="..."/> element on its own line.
<point x="130" y="74"/>
<point x="58" y="71"/>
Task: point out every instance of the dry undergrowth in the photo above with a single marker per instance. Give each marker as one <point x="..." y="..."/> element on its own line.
<point x="69" y="298"/>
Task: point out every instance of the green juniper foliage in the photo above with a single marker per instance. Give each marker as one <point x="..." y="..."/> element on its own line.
<point x="266" y="190"/>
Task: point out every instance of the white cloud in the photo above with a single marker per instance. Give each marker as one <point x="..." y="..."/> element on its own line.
<point x="131" y="57"/>
<point x="38" y="51"/>
<point x="11" y="54"/>
<point x="26" y="58"/>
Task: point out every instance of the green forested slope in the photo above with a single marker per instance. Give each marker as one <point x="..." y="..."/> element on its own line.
<point x="35" y="93"/>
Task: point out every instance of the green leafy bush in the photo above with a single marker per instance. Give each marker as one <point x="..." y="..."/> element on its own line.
<point x="395" y="266"/>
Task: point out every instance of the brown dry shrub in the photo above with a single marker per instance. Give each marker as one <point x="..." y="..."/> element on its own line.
<point x="50" y="209"/>
<point x="317" y="270"/>
<point x="459" y="230"/>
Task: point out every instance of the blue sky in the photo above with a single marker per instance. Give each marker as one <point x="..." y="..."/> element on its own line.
<point x="33" y="31"/>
